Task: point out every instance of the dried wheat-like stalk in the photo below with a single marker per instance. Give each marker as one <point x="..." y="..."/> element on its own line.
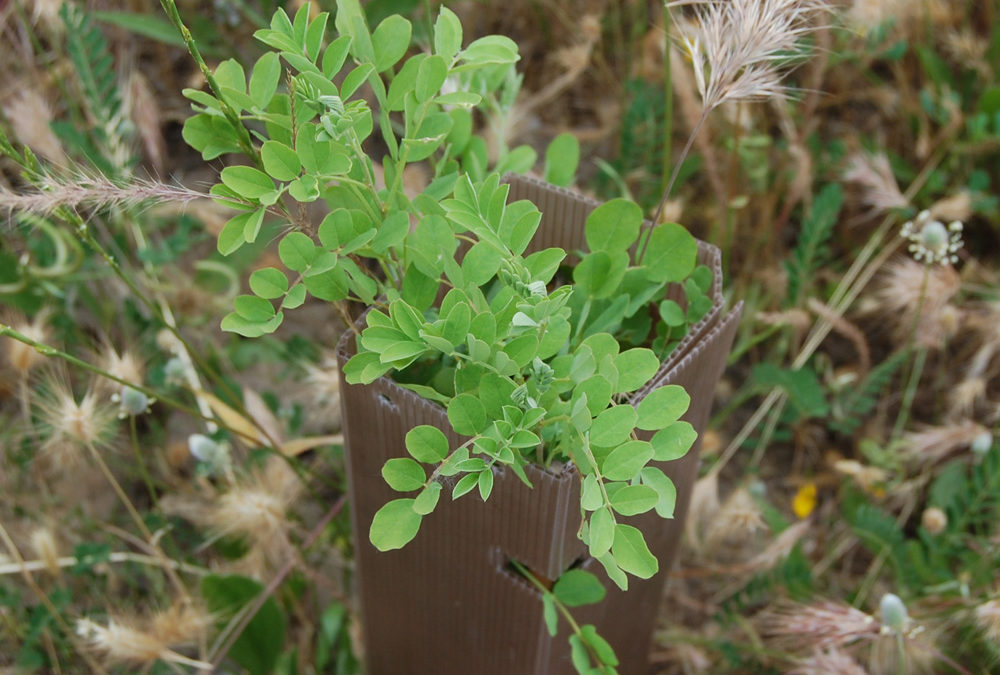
<point x="93" y="192"/>
<point x="738" y="47"/>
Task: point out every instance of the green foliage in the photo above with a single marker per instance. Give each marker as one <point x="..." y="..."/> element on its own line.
<point x="93" y="66"/>
<point x="259" y="645"/>
<point x="811" y="250"/>
<point x="527" y="368"/>
<point x="850" y="407"/>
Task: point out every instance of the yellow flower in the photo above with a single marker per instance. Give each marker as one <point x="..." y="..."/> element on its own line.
<point x="805" y="500"/>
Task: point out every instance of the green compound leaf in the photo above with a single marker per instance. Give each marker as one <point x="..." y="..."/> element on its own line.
<point x="280" y="161"/>
<point x="297" y="251"/>
<point x="427" y="500"/>
<point x="264" y="79"/>
<point x="605" y="653"/>
<point x="613" y="426"/>
<point x="614" y="572"/>
<point x="403" y="474"/>
<point x="578" y="587"/>
<point x="635" y="367"/>
<point x="602" y="531"/>
<point x="550" y="615"/>
<point x="665" y="490"/>
<point x="394" y="525"/>
<point x="673" y="442"/>
<point x="427" y="444"/>
<point x="671" y="254"/>
<point x="391" y="39"/>
<point x="632" y="500"/>
<point x="561" y="159"/>
<point x="448" y="36"/>
<point x="247" y="181"/>
<point x="268" y="282"/>
<point x="625" y="461"/>
<point x="662" y="407"/>
<point x="632" y="554"/>
<point x="466" y="414"/>
<point x="613" y="226"/>
<point x="253" y="309"/>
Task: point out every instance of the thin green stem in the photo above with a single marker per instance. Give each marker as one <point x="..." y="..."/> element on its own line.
<point x="668" y="103"/>
<point x="243" y="135"/>
<point x="919" y="360"/>
<point x="670" y="184"/>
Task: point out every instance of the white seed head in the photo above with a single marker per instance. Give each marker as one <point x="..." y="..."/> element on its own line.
<point x="934" y="520"/>
<point x="131" y="402"/>
<point x="214" y="455"/>
<point x="893" y="613"/>
<point x="982" y="444"/>
<point x="931" y="241"/>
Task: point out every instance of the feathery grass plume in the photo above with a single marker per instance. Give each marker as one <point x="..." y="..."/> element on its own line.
<point x="21" y="357"/>
<point x="988" y="618"/>
<point x="869" y="478"/>
<point x="828" y="662"/>
<point x="182" y="624"/>
<point x="94" y="191"/>
<point x="127" y="366"/>
<point x="69" y="425"/>
<point x="910" y="293"/>
<point x="255" y="508"/>
<point x="123" y="643"/>
<point x="46" y="12"/>
<point x="737" y="520"/>
<point x="867" y="15"/>
<point x="145" y="113"/>
<point x="933" y="445"/>
<point x="43" y="542"/>
<point x="822" y="625"/>
<point x="879" y="189"/>
<point x="739" y="47"/>
<point x="956" y="207"/>
<point x="780" y="547"/>
<point x="30" y="118"/>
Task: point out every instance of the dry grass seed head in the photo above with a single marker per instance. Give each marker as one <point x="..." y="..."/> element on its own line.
<point x="30" y="118"/>
<point x="21" y="357"/>
<point x="781" y="546"/>
<point x="903" y="298"/>
<point x="988" y="619"/>
<point x="736" y="521"/>
<point x="879" y="189"/>
<point x="737" y="46"/>
<point x="933" y="445"/>
<point x="182" y="624"/>
<point x="257" y="508"/>
<point x="123" y="642"/>
<point x="829" y="662"/>
<point x="822" y="625"/>
<point x="43" y="542"/>
<point x="70" y="425"/>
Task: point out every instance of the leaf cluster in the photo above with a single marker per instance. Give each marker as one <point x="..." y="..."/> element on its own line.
<point x="524" y="360"/>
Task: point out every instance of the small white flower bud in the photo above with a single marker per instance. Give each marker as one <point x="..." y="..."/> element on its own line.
<point x="893" y="612"/>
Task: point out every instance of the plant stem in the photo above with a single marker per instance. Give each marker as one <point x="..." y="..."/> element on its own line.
<point x="139" y="522"/>
<point x="670" y="184"/>
<point x="53" y="611"/>
<point x="917" y="367"/>
<point x="246" y="144"/>
<point x="236" y="626"/>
